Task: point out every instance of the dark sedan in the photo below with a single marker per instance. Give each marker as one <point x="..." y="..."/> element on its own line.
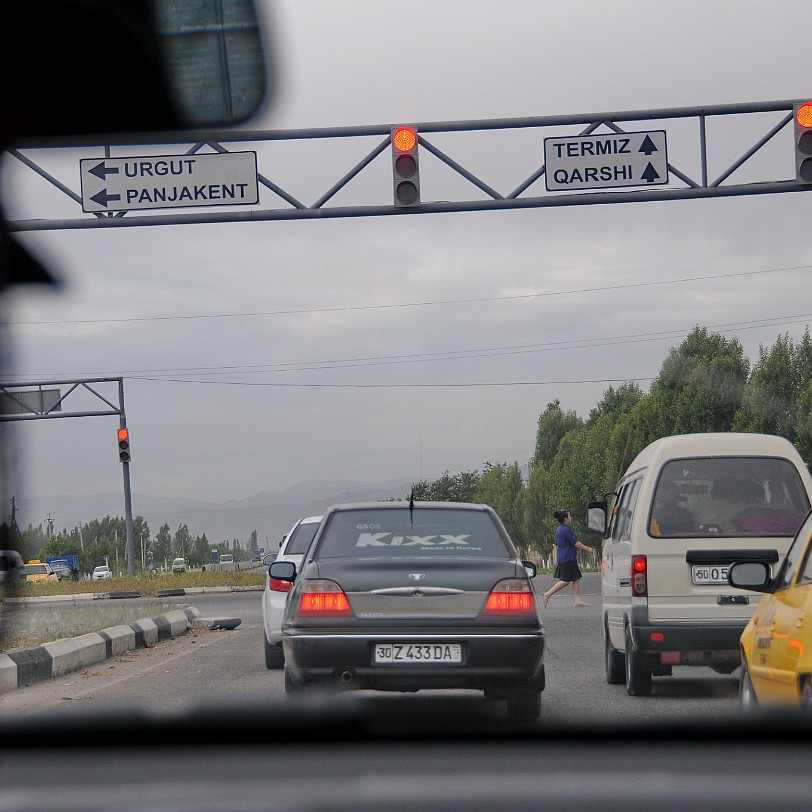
<point x="401" y="596"/>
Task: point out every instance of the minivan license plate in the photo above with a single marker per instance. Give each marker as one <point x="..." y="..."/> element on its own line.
<point x="709" y="574"/>
<point x="418" y="652"/>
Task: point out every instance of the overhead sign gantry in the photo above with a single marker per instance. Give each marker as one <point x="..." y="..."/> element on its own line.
<point x="600" y="158"/>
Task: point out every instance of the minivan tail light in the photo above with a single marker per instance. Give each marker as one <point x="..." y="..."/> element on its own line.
<point x="513" y="597"/>
<point x="323" y="598"/>
<point x="275" y="585"/>
<point x="639" y="576"/>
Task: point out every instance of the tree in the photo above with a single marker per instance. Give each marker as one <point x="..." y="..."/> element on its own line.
<point x="500" y="487"/>
<point x="457" y="488"/>
<point x="200" y="552"/>
<point x="162" y="546"/>
<point x="536" y="514"/>
<point x="553" y="424"/>
<point x="699" y="388"/>
<point x="182" y="541"/>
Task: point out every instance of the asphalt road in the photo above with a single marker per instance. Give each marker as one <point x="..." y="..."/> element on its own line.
<point x="206" y="668"/>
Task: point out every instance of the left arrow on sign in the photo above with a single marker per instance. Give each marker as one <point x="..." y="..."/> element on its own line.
<point x="102" y="198"/>
<point x="101" y="171"/>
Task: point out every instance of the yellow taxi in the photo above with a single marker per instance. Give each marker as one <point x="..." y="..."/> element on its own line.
<point x="36" y="571"/>
<point x="776" y="645"/>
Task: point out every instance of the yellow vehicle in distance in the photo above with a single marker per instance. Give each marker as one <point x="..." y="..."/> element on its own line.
<point x="776" y="645"/>
<point x="38" y="572"/>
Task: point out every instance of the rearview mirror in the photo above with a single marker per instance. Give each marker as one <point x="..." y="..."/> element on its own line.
<point x="82" y="67"/>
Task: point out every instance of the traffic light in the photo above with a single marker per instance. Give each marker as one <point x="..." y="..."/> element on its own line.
<point x="803" y="141"/>
<point x="124" y="445"/>
<point x="405" y="166"/>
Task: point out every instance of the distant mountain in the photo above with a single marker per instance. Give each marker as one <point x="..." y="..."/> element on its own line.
<point x="270" y="513"/>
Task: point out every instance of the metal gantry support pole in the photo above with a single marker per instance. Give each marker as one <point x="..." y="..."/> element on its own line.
<point x="45" y="400"/>
<point x="128" y="502"/>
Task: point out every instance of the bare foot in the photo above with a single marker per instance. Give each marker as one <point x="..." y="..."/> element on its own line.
<point x="544" y="598"/>
<point x="580" y="604"/>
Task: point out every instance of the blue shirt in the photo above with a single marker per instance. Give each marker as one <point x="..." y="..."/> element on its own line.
<point x="565" y="539"/>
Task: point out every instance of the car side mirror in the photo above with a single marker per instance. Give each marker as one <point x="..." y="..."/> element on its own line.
<point x="753" y="575"/>
<point x="596" y="517"/>
<point x="531" y="568"/>
<point x="283" y="571"/>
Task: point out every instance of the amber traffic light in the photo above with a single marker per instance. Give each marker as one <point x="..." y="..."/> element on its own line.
<point x="405" y="166"/>
<point x="803" y="141"/>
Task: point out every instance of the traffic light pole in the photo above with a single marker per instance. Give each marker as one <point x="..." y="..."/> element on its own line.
<point x="51" y="400"/>
<point x="128" y="503"/>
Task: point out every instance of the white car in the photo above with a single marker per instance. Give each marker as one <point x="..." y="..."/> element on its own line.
<point x="102" y="573"/>
<point x="179" y="565"/>
<point x="275" y="594"/>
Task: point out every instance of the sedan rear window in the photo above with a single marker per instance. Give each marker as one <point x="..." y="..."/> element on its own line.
<point x="398" y="533"/>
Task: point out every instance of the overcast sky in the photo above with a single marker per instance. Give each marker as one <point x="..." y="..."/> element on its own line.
<point x="460" y="328"/>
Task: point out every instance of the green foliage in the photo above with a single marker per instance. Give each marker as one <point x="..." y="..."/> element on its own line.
<point x="460" y="487"/>
<point x="553" y="425"/>
<point x="706" y="384"/>
<point x="501" y="487"/>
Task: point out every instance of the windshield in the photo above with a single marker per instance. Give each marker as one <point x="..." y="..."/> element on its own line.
<point x="209" y="370"/>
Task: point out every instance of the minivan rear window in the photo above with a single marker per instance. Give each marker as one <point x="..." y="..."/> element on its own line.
<point x="728" y="496"/>
<point x="392" y="533"/>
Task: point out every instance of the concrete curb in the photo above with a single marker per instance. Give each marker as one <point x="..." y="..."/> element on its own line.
<point x="20" y="668"/>
<point x="160" y="593"/>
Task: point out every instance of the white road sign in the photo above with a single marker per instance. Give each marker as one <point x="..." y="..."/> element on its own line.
<point x="169" y="181"/>
<point x="605" y="161"/>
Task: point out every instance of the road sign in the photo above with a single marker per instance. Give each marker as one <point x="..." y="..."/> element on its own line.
<point x="605" y="161"/>
<point x="30" y="401"/>
<point x="169" y="181"/>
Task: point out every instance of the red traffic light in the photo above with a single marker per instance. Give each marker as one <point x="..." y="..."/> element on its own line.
<point x="123" y="445"/>
<point x="404" y="139"/>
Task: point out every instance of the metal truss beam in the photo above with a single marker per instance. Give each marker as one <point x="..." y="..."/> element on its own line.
<point x="689" y="179"/>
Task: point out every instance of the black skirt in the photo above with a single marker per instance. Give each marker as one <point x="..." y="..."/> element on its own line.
<point x="567" y="571"/>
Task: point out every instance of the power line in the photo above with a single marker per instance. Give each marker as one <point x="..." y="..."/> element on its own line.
<point x="451" y="355"/>
<point x="439" y="302"/>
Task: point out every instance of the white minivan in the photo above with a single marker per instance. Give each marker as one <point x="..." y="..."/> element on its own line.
<point x="687" y="507"/>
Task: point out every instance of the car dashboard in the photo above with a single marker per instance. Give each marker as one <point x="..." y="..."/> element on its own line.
<point x="292" y="756"/>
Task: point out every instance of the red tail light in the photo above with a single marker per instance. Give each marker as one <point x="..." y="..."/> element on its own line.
<point x="511" y="597"/>
<point x="323" y="599"/>
<point x="275" y="585"/>
<point x="639" y="576"/>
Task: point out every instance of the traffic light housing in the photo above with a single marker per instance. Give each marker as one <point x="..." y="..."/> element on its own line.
<point x="123" y="445"/>
<point x="405" y="166"/>
<point x="803" y="141"/>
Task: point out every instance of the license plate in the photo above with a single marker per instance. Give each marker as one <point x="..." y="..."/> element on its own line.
<point x="418" y="653"/>
<point x="709" y="574"/>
